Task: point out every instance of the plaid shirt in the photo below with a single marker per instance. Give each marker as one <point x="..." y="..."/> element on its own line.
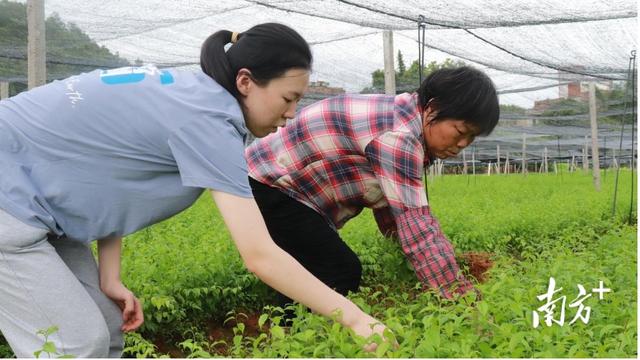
<point x="354" y="151"/>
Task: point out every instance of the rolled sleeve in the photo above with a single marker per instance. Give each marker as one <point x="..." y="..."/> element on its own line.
<point x="397" y="161"/>
<point x="430" y="253"/>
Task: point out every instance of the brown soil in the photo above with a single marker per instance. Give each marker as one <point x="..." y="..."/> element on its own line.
<point x="217" y="330"/>
<point x="220" y="331"/>
<point x="167" y="348"/>
<point x="478" y="264"/>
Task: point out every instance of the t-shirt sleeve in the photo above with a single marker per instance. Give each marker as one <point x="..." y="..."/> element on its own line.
<point x="209" y="153"/>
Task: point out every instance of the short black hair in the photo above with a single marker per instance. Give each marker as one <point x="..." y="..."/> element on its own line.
<point x="462" y="93"/>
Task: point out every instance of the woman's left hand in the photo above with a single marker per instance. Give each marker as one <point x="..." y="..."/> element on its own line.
<point x="132" y="315"/>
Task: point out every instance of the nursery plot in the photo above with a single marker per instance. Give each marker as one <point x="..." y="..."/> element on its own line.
<point x="518" y="232"/>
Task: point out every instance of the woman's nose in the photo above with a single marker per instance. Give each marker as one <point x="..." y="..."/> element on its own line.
<point x="291" y="111"/>
<point x="464" y="142"/>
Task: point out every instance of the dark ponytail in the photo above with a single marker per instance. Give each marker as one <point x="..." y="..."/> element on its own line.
<point x="267" y="50"/>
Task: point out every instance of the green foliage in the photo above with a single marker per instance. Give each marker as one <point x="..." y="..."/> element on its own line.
<point x="69" y="50"/>
<point x="618" y="99"/>
<point x="138" y="347"/>
<point x="188" y="274"/>
<point x="5" y="350"/>
<point x="49" y="347"/>
<point x="512" y="109"/>
<point x="408" y="79"/>
<point x="401" y="66"/>
<point x="562" y="107"/>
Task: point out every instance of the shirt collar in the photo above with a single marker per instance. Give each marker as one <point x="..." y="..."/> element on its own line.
<point x="408" y="103"/>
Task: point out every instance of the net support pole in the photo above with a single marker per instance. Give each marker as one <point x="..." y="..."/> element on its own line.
<point x="546" y="162"/>
<point x="585" y="155"/>
<point x="389" y="70"/>
<point x="36" y="46"/>
<point x="4" y="90"/>
<point x="464" y="162"/>
<point x="498" y="159"/>
<point x="473" y="162"/>
<point x="595" y="154"/>
<point x="506" y="164"/>
<point x="524" y="154"/>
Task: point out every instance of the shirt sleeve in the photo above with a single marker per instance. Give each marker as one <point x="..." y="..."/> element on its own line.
<point x="386" y="222"/>
<point x="396" y="159"/>
<point x="209" y="153"/>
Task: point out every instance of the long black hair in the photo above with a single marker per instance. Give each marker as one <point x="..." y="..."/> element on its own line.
<point x="267" y="50"/>
<point x="462" y="93"/>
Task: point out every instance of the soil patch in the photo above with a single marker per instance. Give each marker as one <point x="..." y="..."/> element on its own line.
<point x="478" y="263"/>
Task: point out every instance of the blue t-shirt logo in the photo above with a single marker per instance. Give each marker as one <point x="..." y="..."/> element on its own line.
<point x="129" y="75"/>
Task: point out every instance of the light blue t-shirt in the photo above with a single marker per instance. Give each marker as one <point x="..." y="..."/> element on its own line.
<point x="110" y="152"/>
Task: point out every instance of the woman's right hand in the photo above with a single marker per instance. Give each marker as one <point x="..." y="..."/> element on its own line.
<point x="365" y="326"/>
<point x="282" y="272"/>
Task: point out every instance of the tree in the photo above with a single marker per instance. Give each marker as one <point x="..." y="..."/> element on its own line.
<point x="408" y="79"/>
<point x="401" y="66"/>
<point x="69" y="50"/>
<point x="512" y="109"/>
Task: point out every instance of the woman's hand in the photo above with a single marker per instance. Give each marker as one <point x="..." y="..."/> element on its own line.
<point x="281" y="271"/>
<point x="109" y="250"/>
<point x="132" y="316"/>
<point x="366" y="326"/>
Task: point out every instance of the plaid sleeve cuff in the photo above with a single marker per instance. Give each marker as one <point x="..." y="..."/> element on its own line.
<point x="430" y="253"/>
<point x="386" y="222"/>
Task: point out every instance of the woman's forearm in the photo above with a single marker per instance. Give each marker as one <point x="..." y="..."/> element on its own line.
<point x="109" y="251"/>
<point x="276" y="267"/>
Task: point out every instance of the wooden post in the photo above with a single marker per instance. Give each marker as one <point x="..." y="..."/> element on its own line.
<point x="36" y="47"/>
<point x="585" y="155"/>
<point x="595" y="154"/>
<point x="506" y="164"/>
<point x="546" y="163"/>
<point x="498" y="159"/>
<point x="389" y="70"/>
<point x="572" y="167"/>
<point x="473" y="162"/>
<point x="489" y="169"/>
<point x="4" y="90"/>
<point x="524" y="154"/>
<point x="464" y="162"/>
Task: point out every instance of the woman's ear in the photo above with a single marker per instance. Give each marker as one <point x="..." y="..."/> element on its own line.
<point x="244" y="81"/>
<point x="428" y="114"/>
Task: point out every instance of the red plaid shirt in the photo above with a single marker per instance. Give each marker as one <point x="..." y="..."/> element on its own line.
<point x="354" y="151"/>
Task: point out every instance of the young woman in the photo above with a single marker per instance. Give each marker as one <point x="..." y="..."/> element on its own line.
<point x="349" y="152"/>
<point x="103" y="154"/>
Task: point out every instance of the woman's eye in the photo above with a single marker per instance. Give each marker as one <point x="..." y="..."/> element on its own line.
<point x="287" y="100"/>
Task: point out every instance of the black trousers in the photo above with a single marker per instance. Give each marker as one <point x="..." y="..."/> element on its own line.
<point x="306" y="235"/>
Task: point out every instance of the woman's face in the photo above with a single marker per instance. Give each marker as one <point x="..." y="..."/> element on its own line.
<point x="268" y="107"/>
<point x="446" y="137"/>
